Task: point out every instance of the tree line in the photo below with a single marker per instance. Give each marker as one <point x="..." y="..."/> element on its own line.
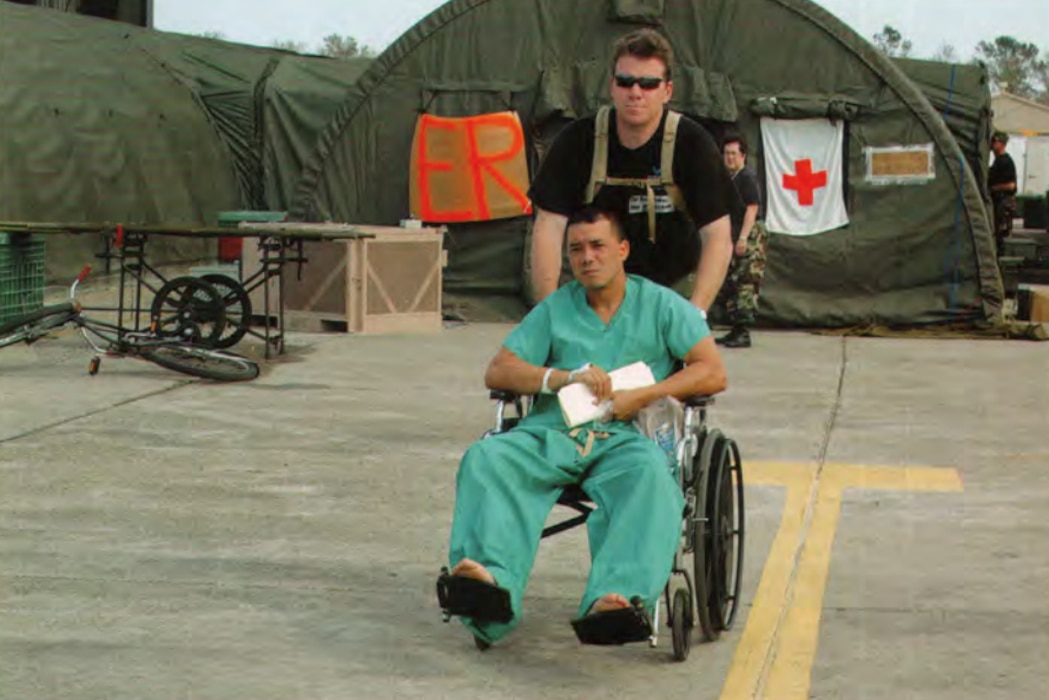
<point x="1014" y="66"/>
<point x="334" y="46"/>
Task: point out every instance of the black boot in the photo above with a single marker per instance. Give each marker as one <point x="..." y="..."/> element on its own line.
<point x="736" y="338"/>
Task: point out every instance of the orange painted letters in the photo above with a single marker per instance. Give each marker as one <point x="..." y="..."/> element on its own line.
<point x="468" y="169"/>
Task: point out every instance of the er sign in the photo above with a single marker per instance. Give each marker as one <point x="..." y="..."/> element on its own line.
<point x="468" y="168"/>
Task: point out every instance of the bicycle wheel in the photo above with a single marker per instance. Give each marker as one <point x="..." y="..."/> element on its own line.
<point x="37" y="324"/>
<point x="190" y="309"/>
<point x="202" y="362"/>
<point x="13" y="336"/>
<point x="237" y="306"/>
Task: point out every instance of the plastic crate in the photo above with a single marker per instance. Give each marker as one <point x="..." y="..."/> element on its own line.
<point x="21" y="274"/>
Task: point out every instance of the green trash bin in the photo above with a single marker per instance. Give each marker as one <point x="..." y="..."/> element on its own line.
<point x="230" y="246"/>
<point x="21" y="274"/>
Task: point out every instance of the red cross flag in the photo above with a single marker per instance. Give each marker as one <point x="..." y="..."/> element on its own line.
<point x="803" y="175"/>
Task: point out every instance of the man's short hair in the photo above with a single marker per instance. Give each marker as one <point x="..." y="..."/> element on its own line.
<point x="592" y="214"/>
<point x="644" y="43"/>
<point x="734" y="138"/>
<point x="1001" y="137"/>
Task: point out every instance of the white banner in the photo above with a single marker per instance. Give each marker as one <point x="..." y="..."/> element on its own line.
<point x="803" y="175"/>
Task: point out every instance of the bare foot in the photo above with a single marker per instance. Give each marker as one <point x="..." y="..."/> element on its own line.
<point x="468" y="568"/>
<point x="609" y="601"/>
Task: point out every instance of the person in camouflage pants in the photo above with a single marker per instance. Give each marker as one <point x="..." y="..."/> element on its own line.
<point x="743" y="283"/>
<point x="739" y="295"/>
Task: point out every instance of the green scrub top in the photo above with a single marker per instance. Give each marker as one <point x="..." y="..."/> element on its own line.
<point x="654" y="324"/>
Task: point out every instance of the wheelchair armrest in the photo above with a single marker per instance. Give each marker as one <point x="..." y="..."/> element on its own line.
<point x="520" y="403"/>
<point x="695" y="401"/>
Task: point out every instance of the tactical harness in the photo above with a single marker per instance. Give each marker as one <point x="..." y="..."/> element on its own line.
<point x="599" y="170"/>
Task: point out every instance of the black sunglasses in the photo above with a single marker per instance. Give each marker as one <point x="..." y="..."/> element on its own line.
<point x="629" y="81"/>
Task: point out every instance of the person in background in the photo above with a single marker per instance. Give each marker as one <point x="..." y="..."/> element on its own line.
<point x="1001" y="181"/>
<point x="739" y="295"/>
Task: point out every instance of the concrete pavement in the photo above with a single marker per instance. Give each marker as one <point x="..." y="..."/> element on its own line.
<point x="276" y="540"/>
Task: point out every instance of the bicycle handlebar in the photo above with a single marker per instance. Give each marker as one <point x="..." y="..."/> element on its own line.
<point x="79" y="279"/>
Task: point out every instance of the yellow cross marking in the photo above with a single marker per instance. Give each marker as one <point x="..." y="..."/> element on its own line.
<point x="776" y="652"/>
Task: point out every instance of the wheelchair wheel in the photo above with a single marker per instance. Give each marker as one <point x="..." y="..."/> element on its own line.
<point x="681" y="624"/>
<point x="727" y="537"/>
<point x="702" y="562"/>
<point x="718" y="534"/>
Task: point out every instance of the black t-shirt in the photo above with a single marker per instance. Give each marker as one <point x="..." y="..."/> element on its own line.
<point x="746" y="183"/>
<point x="700" y="174"/>
<point x="1003" y="170"/>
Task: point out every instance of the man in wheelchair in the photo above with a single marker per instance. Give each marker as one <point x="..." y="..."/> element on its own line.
<point x="508" y="483"/>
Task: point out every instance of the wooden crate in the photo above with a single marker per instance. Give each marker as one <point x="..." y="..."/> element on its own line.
<point x="387" y="284"/>
<point x="1039" y="304"/>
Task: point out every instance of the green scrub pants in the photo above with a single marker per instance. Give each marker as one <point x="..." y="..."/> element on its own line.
<point x="508" y="483"/>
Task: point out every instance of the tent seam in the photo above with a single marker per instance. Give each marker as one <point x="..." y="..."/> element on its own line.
<point x="305" y="196"/>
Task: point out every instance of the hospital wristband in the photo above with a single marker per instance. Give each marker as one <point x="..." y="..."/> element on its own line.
<point x="545" y="389"/>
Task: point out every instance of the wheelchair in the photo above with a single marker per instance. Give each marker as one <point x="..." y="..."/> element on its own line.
<point x="704" y="584"/>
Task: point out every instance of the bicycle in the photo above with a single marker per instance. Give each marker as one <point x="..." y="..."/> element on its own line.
<point x="174" y="352"/>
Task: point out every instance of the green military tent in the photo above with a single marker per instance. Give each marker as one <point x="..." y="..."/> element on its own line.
<point x="102" y="121"/>
<point x="911" y="254"/>
<point x="961" y="94"/>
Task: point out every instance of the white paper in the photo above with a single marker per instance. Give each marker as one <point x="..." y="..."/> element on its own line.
<point x="577" y="401"/>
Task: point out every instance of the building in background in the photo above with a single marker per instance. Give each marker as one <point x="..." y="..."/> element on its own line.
<point x="137" y="12"/>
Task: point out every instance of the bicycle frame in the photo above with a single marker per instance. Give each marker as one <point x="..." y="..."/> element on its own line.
<point x="112" y="339"/>
<point x="115" y="338"/>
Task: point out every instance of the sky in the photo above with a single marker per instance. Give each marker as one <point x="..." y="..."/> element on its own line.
<point x="929" y="24"/>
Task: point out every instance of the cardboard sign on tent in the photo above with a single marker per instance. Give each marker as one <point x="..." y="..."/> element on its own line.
<point x="468" y="168"/>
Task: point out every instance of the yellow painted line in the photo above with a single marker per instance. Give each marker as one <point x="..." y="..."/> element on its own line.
<point x="755" y="646"/>
<point x="1042" y="457"/>
<point x="778" y="473"/>
<point x="795" y="648"/>
<point x="876" y="478"/>
<point x="776" y="653"/>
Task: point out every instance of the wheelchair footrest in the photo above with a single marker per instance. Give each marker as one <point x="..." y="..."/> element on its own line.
<point x="623" y="626"/>
<point x="467" y="597"/>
